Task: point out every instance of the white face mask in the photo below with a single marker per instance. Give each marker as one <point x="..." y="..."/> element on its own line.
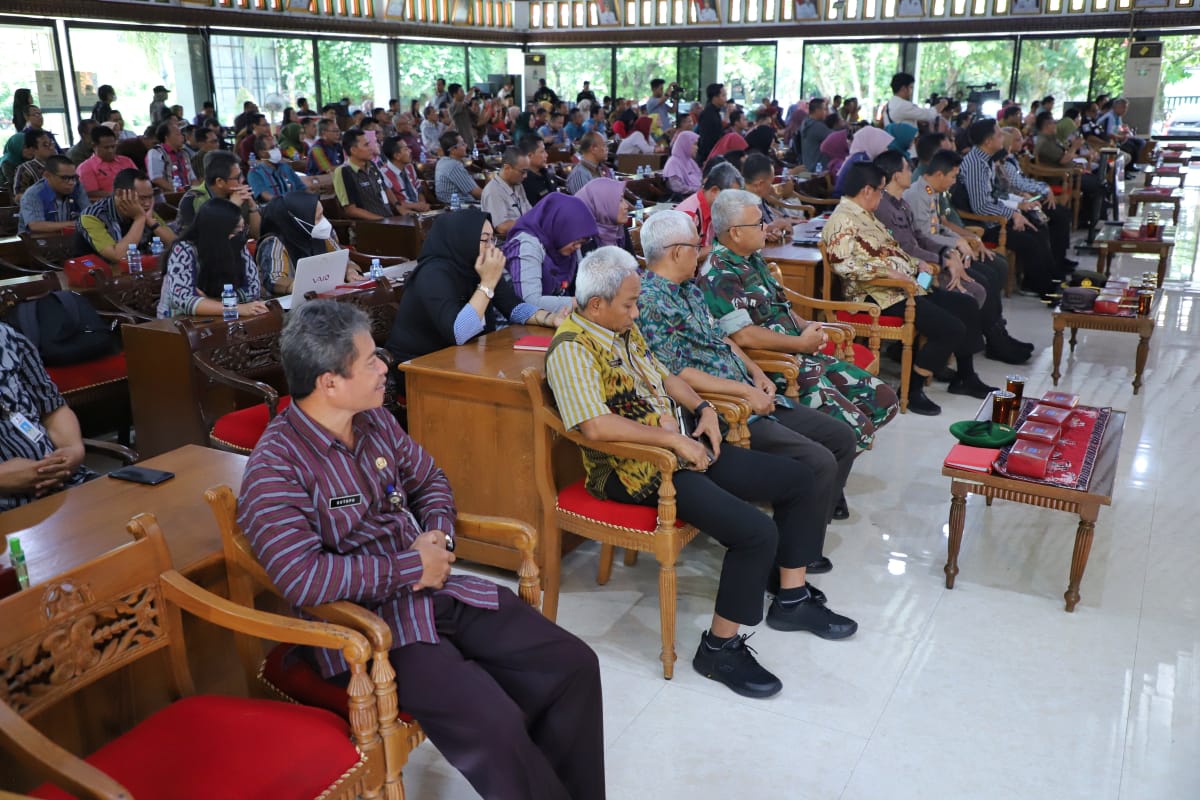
<point x="275" y="154"/>
<point x="323" y="229"/>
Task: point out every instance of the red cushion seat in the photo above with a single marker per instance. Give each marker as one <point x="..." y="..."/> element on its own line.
<point x="97" y="372"/>
<point x="232" y="748"/>
<point x="243" y="428"/>
<point x="862" y="355"/>
<point x="575" y="499"/>
<point x="865" y="319"/>
<point x="288" y="673"/>
<point x="1056" y="189"/>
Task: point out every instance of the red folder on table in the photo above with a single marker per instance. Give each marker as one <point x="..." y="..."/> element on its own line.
<point x="536" y="343"/>
<point x="972" y="459"/>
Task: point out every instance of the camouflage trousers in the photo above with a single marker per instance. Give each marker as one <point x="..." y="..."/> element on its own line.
<point x="850" y="393"/>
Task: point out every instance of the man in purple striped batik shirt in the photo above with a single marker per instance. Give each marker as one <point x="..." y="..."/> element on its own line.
<point x="340" y="504"/>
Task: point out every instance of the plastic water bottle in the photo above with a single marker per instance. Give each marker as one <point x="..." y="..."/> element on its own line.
<point x="176" y="183"/>
<point x="820" y="170"/>
<point x="639" y="210"/>
<point x="455" y="202"/>
<point x="135" y="260"/>
<point x="252" y="160"/>
<point x="474" y="153"/>
<point x="376" y="270"/>
<point x="156" y="246"/>
<point x="229" y="310"/>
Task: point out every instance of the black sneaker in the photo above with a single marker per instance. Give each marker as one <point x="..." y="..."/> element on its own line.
<point x="971" y="386"/>
<point x="810" y="615"/>
<point x="735" y="666"/>
<point x="773" y="587"/>
<point x="919" y="403"/>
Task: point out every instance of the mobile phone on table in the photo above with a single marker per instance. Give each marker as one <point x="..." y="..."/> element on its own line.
<point x="924" y="279"/>
<point x="144" y="475"/>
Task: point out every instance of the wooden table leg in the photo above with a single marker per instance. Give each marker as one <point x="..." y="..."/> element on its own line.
<point x="958" y="517"/>
<point x="1079" y="559"/>
<point x="1074" y="338"/>
<point x="1139" y="364"/>
<point x="1164" y="256"/>
<point x="1057" y="348"/>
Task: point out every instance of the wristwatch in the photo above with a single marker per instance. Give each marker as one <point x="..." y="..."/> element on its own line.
<point x="703" y="405"/>
<point x="487" y="292"/>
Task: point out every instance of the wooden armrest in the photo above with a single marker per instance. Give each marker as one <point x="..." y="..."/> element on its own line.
<point x="227" y="614"/>
<point x="112" y="450"/>
<point x="849" y="306"/>
<point x="815" y="201"/>
<point x="49" y="760"/>
<point x="838" y="331"/>
<point x="364" y="259"/>
<point x="660" y="457"/>
<point x="355" y="617"/>
<point x="772" y="361"/>
<point x="909" y="287"/>
<point x="991" y="219"/>
<point x="508" y="533"/>
<point x="19" y="270"/>
<point x="232" y="379"/>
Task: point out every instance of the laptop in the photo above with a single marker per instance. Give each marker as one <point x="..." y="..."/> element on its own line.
<point x="321" y="273"/>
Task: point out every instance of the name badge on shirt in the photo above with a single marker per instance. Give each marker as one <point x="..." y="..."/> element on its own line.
<point x="27" y="428"/>
<point x="345" y="500"/>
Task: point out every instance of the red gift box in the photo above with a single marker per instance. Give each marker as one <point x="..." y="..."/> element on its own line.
<point x="1039" y="432"/>
<point x="1107" y="304"/>
<point x="1029" y="458"/>
<point x="1049" y="415"/>
<point x="1060" y="399"/>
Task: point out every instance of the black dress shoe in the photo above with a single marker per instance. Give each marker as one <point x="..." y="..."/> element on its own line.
<point x="842" y="509"/>
<point x="945" y="374"/>
<point x="809" y="615"/>
<point x="970" y="386"/>
<point x="1069" y="264"/>
<point x="734" y="665"/>
<point x="1007" y="352"/>
<point x="820" y="566"/>
<point x="918" y="403"/>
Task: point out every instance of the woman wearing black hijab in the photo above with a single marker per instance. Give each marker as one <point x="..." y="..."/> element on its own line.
<point x="458" y="290"/>
<point x="294" y="227"/>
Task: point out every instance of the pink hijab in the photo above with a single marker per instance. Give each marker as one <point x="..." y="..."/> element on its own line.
<point x="681" y="165"/>
<point x="603" y="198"/>
<point x="836" y="147"/>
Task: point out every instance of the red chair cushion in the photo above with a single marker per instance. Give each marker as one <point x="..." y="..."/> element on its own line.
<point x="244" y="427"/>
<point x="1056" y="189"/>
<point x="292" y="676"/>
<point x="863" y="357"/>
<point x="575" y="499"/>
<point x="865" y="319"/>
<point x="991" y="245"/>
<point x="74" y="377"/>
<point x="233" y="748"/>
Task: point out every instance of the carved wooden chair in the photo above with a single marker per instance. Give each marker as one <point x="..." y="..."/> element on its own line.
<point x="49" y="250"/>
<point x="292" y="678"/>
<point x="67" y="633"/>
<point x="1066" y="183"/>
<point x="97" y="389"/>
<point x="9" y="216"/>
<point x="135" y="296"/>
<point x="242" y="386"/>
<point x="567" y="506"/>
<point x="867" y="321"/>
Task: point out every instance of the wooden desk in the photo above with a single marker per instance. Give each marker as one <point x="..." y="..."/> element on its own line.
<point x="1085" y="504"/>
<point x="1142" y="326"/>
<point x="394" y="236"/>
<point x="468" y="407"/>
<point x="801" y="268"/>
<point x="1139" y="197"/>
<point x="69" y="528"/>
<point x="1109" y="242"/>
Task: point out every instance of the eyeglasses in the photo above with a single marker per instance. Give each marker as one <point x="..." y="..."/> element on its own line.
<point x="761" y="224"/>
<point x="697" y="246"/>
<point x="487" y="238"/>
<point x="67" y="177"/>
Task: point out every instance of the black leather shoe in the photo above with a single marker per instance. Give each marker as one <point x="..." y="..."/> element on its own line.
<point x="842" y="509"/>
<point x="945" y="374"/>
<point x="1007" y="352"/>
<point x="918" y="403"/>
<point x="809" y="615"/>
<point x="820" y="566"/>
<point x="735" y="666"/>
<point x="970" y="386"/>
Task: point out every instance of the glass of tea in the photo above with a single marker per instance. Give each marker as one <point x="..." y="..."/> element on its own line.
<point x="1016" y="385"/>
<point x="1002" y="407"/>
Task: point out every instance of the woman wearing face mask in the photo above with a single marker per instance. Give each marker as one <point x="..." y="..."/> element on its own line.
<point x="294" y="227"/>
<point x="271" y="176"/>
<point x="209" y="255"/>
<point x="542" y="250"/>
<point x="458" y="289"/>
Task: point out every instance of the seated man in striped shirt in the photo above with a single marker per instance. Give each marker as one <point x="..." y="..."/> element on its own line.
<point x="340" y="504"/>
<point x="450" y="177"/>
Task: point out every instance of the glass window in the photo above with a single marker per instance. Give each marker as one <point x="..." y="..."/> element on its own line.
<point x="1109" y="77"/>
<point x="1059" y="67"/>
<point x="1178" y="100"/>
<point x="863" y="70"/>
<point x="637" y="66"/>
<point x="949" y="68"/>
<point x="418" y="67"/>
<point x="354" y="69"/>
<point x="133" y="62"/>
<point x="748" y="72"/>
<point x="567" y="69"/>
<point x="487" y="61"/>
<point x="28" y="61"/>
<point x="689" y="72"/>
<point x="262" y="70"/>
<point x="789" y="67"/>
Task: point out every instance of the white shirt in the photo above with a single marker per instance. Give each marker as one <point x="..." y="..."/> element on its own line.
<point x="900" y="110"/>
<point x="634" y="143"/>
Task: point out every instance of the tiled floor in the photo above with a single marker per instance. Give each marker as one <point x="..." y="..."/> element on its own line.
<point x="987" y="691"/>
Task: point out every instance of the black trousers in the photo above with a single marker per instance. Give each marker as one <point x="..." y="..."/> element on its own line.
<point x="720" y="502"/>
<point x="950" y="323"/>
<point x="1037" y="263"/>
<point x="992" y="276"/>
<point x="1059" y="229"/>
<point x="510" y="699"/>
<point x="824" y="444"/>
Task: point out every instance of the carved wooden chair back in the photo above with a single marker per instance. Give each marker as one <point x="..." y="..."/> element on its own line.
<point x="135" y="295"/>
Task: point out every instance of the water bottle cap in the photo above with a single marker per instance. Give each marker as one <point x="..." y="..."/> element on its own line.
<point x="229" y="287"/>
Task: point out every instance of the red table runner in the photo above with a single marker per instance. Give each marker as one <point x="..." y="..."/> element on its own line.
<point x="1075" y="453"/>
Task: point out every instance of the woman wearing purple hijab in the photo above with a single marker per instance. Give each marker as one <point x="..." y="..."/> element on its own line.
<point x="543" y="250"/>
<point x="605" y="198"/>
<point x="681" y="171"/>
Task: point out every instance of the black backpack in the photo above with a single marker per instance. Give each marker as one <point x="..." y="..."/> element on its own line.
<point x="64" y="328"/>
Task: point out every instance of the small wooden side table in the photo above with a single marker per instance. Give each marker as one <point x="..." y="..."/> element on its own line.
<point x="1142" y="326"/>
<point x="1138" y="197"/>
<point x="1109" y="242"/>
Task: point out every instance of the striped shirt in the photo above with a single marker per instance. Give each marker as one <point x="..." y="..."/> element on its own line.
<point x="1020" y="182"/>
<point x="979" y="176"/>
<point x="26" y="389"/>
<point x="450" y="176"/>
<point x="320" y="519"/>
<point x="181" y="295"/>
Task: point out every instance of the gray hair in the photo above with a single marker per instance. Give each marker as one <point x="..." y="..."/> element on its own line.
<point x="318" y="337"/>
<point x="724" y="176"/>
<point x="601" y="274"/>
<point x="727" y="209"/>
<point x="664" y="229"/>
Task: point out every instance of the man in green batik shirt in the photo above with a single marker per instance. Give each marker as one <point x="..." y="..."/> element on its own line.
<point x="753" y="311"/>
